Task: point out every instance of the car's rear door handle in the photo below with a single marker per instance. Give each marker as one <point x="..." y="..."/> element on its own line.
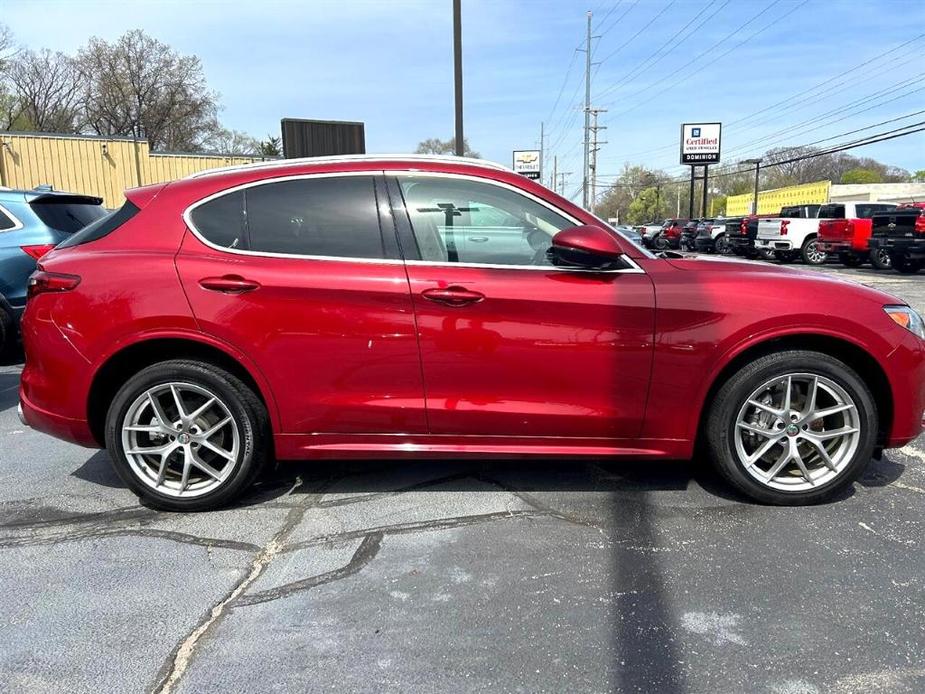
<point x="229" y="284"/>
<point x="452" y="296"/>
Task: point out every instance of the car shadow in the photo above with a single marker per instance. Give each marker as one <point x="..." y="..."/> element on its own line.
<point x="12" y="355"/>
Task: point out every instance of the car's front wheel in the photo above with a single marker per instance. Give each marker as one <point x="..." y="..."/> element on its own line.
<point x="187" y="435"/>
<point x="792" y="428"/>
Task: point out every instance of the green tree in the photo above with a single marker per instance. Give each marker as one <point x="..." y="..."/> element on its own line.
<point x="271" y="147"/>
<point x="435" y="145"/>
<point x="649" y="205"/>
<point x="919" y="176"/>
<point x="861" y="175"/>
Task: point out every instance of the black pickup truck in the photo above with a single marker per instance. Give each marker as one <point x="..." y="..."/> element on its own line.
<point x="901" y="233"/>
<point x="741" y="233"/>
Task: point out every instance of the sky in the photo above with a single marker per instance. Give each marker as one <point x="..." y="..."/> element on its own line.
<point x="770" y="70"/>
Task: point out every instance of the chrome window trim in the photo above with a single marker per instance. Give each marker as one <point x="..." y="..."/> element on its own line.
<point x="187" y="218"/>
<point x="17" y="225"/>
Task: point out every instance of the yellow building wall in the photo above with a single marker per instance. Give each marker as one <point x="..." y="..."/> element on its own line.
<point x="95" y="166"/>
<point x="770" y="201"/>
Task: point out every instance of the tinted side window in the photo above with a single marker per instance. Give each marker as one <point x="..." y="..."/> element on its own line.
<point x="466" y="221"/>
<point x="5" y="222"/>
<point x="317" y="216"/>
<point x="221" y="220"/>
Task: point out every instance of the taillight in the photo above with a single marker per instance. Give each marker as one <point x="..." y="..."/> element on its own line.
<point x="41" y="282"/>
<point x="743" y="226"/>
<point x="920" y="224"/>
<point x="36" y="252"/>
<point x="784" y="223"/>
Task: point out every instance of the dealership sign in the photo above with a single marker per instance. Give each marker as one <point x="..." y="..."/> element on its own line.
<point x="700" y="143"/>
<point x="527" y="162"/>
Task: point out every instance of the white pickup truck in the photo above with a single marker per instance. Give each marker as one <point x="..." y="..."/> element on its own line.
<point x="792" y="234"/>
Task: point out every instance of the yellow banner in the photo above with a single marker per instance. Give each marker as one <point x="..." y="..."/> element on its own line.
<point x="770" y="201"/>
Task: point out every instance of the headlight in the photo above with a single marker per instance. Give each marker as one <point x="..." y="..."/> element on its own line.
<point x="908" y="318"/>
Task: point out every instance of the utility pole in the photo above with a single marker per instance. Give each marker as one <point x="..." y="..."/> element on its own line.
<point x="457" y="72"/>
<point x="595" y="148"/>
<point x="542" y="152"/>
<point x="555" y="166"/>
<point x="587" y="138"/>
<point x="562" y="176"/>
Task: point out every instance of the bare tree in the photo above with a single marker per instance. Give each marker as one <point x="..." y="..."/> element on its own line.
<point x="49" y="90"/>
<point x="233" y="142"/>
<point x="139" y="87"/>
<point x="435" y="145"/>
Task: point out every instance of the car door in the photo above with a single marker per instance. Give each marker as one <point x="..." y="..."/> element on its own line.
<point x="297" y="274"/>
<point x="510" y="345"/>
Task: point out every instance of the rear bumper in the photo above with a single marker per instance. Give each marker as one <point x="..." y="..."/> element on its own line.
<point x="73" y="430"/>
<point x="914" y="248"/>
<point x="774" y="244"/>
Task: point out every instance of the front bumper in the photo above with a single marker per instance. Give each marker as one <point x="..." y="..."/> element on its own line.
<point x="913" y="248"/>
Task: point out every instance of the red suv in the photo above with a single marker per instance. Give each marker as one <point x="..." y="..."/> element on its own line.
<point x="419" y="307"/>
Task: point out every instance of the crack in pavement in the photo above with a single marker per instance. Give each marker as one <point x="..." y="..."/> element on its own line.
<point x="363" y="555"/>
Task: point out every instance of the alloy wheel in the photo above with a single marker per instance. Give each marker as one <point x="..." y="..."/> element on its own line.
<point x="814" y="254"/>
<point x="797" y="432"/>
<point x="180" y="439"/>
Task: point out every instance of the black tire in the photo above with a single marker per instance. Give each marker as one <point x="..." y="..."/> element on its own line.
<point x="7" y="329"/>
<point x="880" y="259"/>
<point x="905" y="265"/>
<point x="811" y="254"/>
<point x="850" y="260"/>
<point x="720" y="424"/>
<point x="785" y="257"/>
<point x="245" y="407"/>
<point x="721" y="245"/>
<point x="661" y="243"/>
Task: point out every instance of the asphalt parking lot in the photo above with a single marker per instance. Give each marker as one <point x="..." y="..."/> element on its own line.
<point x="459" y="576"/>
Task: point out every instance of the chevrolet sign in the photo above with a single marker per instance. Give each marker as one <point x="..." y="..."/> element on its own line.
<point x="700" y="143"/>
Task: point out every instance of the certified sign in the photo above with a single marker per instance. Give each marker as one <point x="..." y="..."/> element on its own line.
<point x="527" y="162"/>
<point x="700" y="143"/>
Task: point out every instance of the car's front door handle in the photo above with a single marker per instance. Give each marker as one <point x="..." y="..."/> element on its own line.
<point x="452" y="296"/>
<point x="229" y="284"/>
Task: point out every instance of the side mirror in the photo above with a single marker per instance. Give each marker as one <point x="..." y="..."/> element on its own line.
<point x="587" y="246"/>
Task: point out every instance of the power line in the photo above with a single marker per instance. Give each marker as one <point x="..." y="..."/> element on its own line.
<point x="633" y="37"/>
<point x="670" y="42"/>
<point x="794" y="104"/>
<point x="682" y="69"/>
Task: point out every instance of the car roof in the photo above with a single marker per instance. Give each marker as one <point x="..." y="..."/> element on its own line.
<point x="351" y="158"/>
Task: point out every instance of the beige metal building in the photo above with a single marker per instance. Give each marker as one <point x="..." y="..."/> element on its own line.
<point x="101" y="166"/>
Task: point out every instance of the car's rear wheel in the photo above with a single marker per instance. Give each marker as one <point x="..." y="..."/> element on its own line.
<point x="905" y="264"/>
<point x="721" y="245"/>
<point x="812" y="254"/>
<point x="187" y="435"/>
<point x="792" y="428"/>
<point x="880" y="259"/>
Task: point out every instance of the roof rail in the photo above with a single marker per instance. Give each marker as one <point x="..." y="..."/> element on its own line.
<point x="351" y="157"/>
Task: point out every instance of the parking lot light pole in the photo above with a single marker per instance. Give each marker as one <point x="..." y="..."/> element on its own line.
<point x="457" y="73"/>
<point x="757" y="163"/>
